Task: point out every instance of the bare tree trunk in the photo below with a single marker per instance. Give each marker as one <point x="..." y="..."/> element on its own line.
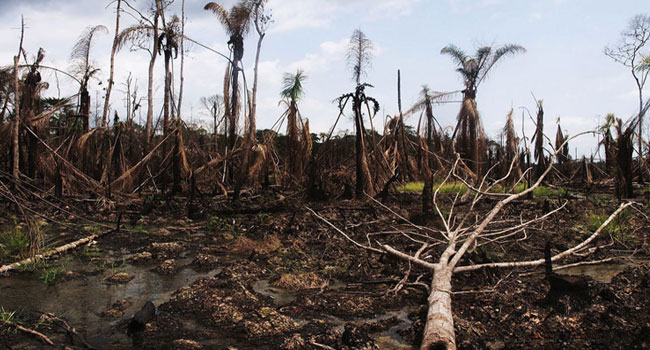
<point x="149" y="124"/>
<point x="109" y="88"/>
<point x="16" y="149"/>
<point x="252" y="116"/>
<point x="180" y="90"/>
<point x="641" y="160"/>
<point x="439" y="327"/>
<point x="234" y="104"/>
<point x="168" y="83"/>
<point x="85" y="109"/>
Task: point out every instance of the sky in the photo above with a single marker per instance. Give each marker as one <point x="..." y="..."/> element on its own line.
<point x="564" y="64"/>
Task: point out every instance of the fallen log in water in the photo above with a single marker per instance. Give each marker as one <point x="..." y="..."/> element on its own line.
<point x="6" y="268"/>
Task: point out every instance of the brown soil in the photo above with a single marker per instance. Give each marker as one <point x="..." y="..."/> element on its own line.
<point x="342" y="291"/>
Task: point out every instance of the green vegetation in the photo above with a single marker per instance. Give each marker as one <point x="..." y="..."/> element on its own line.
<point x="220" y="224"/>
<point x="136" y="228"/>
<point x="14" y="242"/>
<point x="38" y="264"/>
<point x="618" y="229"/>
<point x="8" y="316"/>
<point x="51" y="275"/>
<point x="447" y="188"/>
<point x="541" y="192"/>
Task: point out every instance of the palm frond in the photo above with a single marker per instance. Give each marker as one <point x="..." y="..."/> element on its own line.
<point x="456" y="53"/>
<point x="509" y="49"/>
<point x="359" y="55"/>
<point x="292" y="85"/>
<point x="133" y="33"/>
<point x="505" y="50"/>
<point x="81" y="49"/>
<point x="236" y="21"/>
<point x="220" y="12"/>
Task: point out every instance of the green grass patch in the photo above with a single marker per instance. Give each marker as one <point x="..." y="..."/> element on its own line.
<point x="14" y="242"/>
<point x="453" y="188"/>
<point x="446" y="188"/>
<point x="38" y="264"/>
<point x="51" y="275"/>
<point x="619" y="228"/>
<point x="412" y="187"/>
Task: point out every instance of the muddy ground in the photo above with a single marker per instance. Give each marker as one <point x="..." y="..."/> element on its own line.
<point x="282" y="279"/>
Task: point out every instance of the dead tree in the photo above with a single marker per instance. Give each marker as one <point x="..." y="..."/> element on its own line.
<point x="461" y="232"/>
<point x="538" y="138"/>
<point x="109" y="88"/>
<point x="629" y="52"/>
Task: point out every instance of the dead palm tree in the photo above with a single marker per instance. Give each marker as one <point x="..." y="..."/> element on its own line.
<point x="168" y="46"/>
<point x="31" y="87"/>
<point x="511" y="149"/>
<point x="560" y="139"/>
<point x="292" y="92"/>
<point x="359" y="57"/>
<point x="474" y="69"/>
<point x="236" y="22"/>
<point x="83" y="69"/>
<point x="538" y="138"/>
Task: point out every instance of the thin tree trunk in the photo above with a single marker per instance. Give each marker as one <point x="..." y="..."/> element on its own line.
<point x="234" y="103"/>
<point x="149" y="124"/>
<point x="439" y="327"/>
<point x="109" y="88"/>
<point x="168" y="78"/>
<point x="404" y="160"/>
<point x="251" y="121"/>
<point x="16" y="149"/>
<point x="641" y="160"/>
<point x="85" y="109"/>
<point x="359" y="150"/>
<point x="180" y="90"/>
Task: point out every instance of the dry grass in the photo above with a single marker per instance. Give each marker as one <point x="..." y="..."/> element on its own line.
<point x="301" y="281"/>
<point x="244" y="245"/>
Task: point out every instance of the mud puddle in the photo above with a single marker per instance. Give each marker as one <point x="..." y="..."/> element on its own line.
<point x="82" y="300"/>
<point x="602" y="273"/>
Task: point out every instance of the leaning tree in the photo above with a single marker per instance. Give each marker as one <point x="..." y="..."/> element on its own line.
<point x="470" y="140"/>
<point x="359" y="56"/>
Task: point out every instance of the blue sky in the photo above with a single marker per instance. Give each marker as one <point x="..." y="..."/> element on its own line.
<point x="565" y="65"/>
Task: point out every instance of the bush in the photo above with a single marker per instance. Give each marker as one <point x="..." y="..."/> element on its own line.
<point x="14" y="242"/>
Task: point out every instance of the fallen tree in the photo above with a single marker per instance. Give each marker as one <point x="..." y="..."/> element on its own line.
<point x="461" y="232"/>
<point x="59" y="250"/>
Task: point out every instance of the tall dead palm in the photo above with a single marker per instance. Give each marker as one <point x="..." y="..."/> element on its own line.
<point x="560" y="139"/>
<point x="83" y="69"/>
<point x="236" y="22"/>
<point x="359" y="56"/>
<point x="144" y="36"/>
<point x="292" y="92"/>
<point x="168" y="46"/>
<point x="470" y="140"/>
<point x="511" y="149"/>
<point x="31" y="87"/>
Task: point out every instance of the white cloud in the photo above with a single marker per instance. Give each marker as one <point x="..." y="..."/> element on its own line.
<point x="294" y="15"/>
